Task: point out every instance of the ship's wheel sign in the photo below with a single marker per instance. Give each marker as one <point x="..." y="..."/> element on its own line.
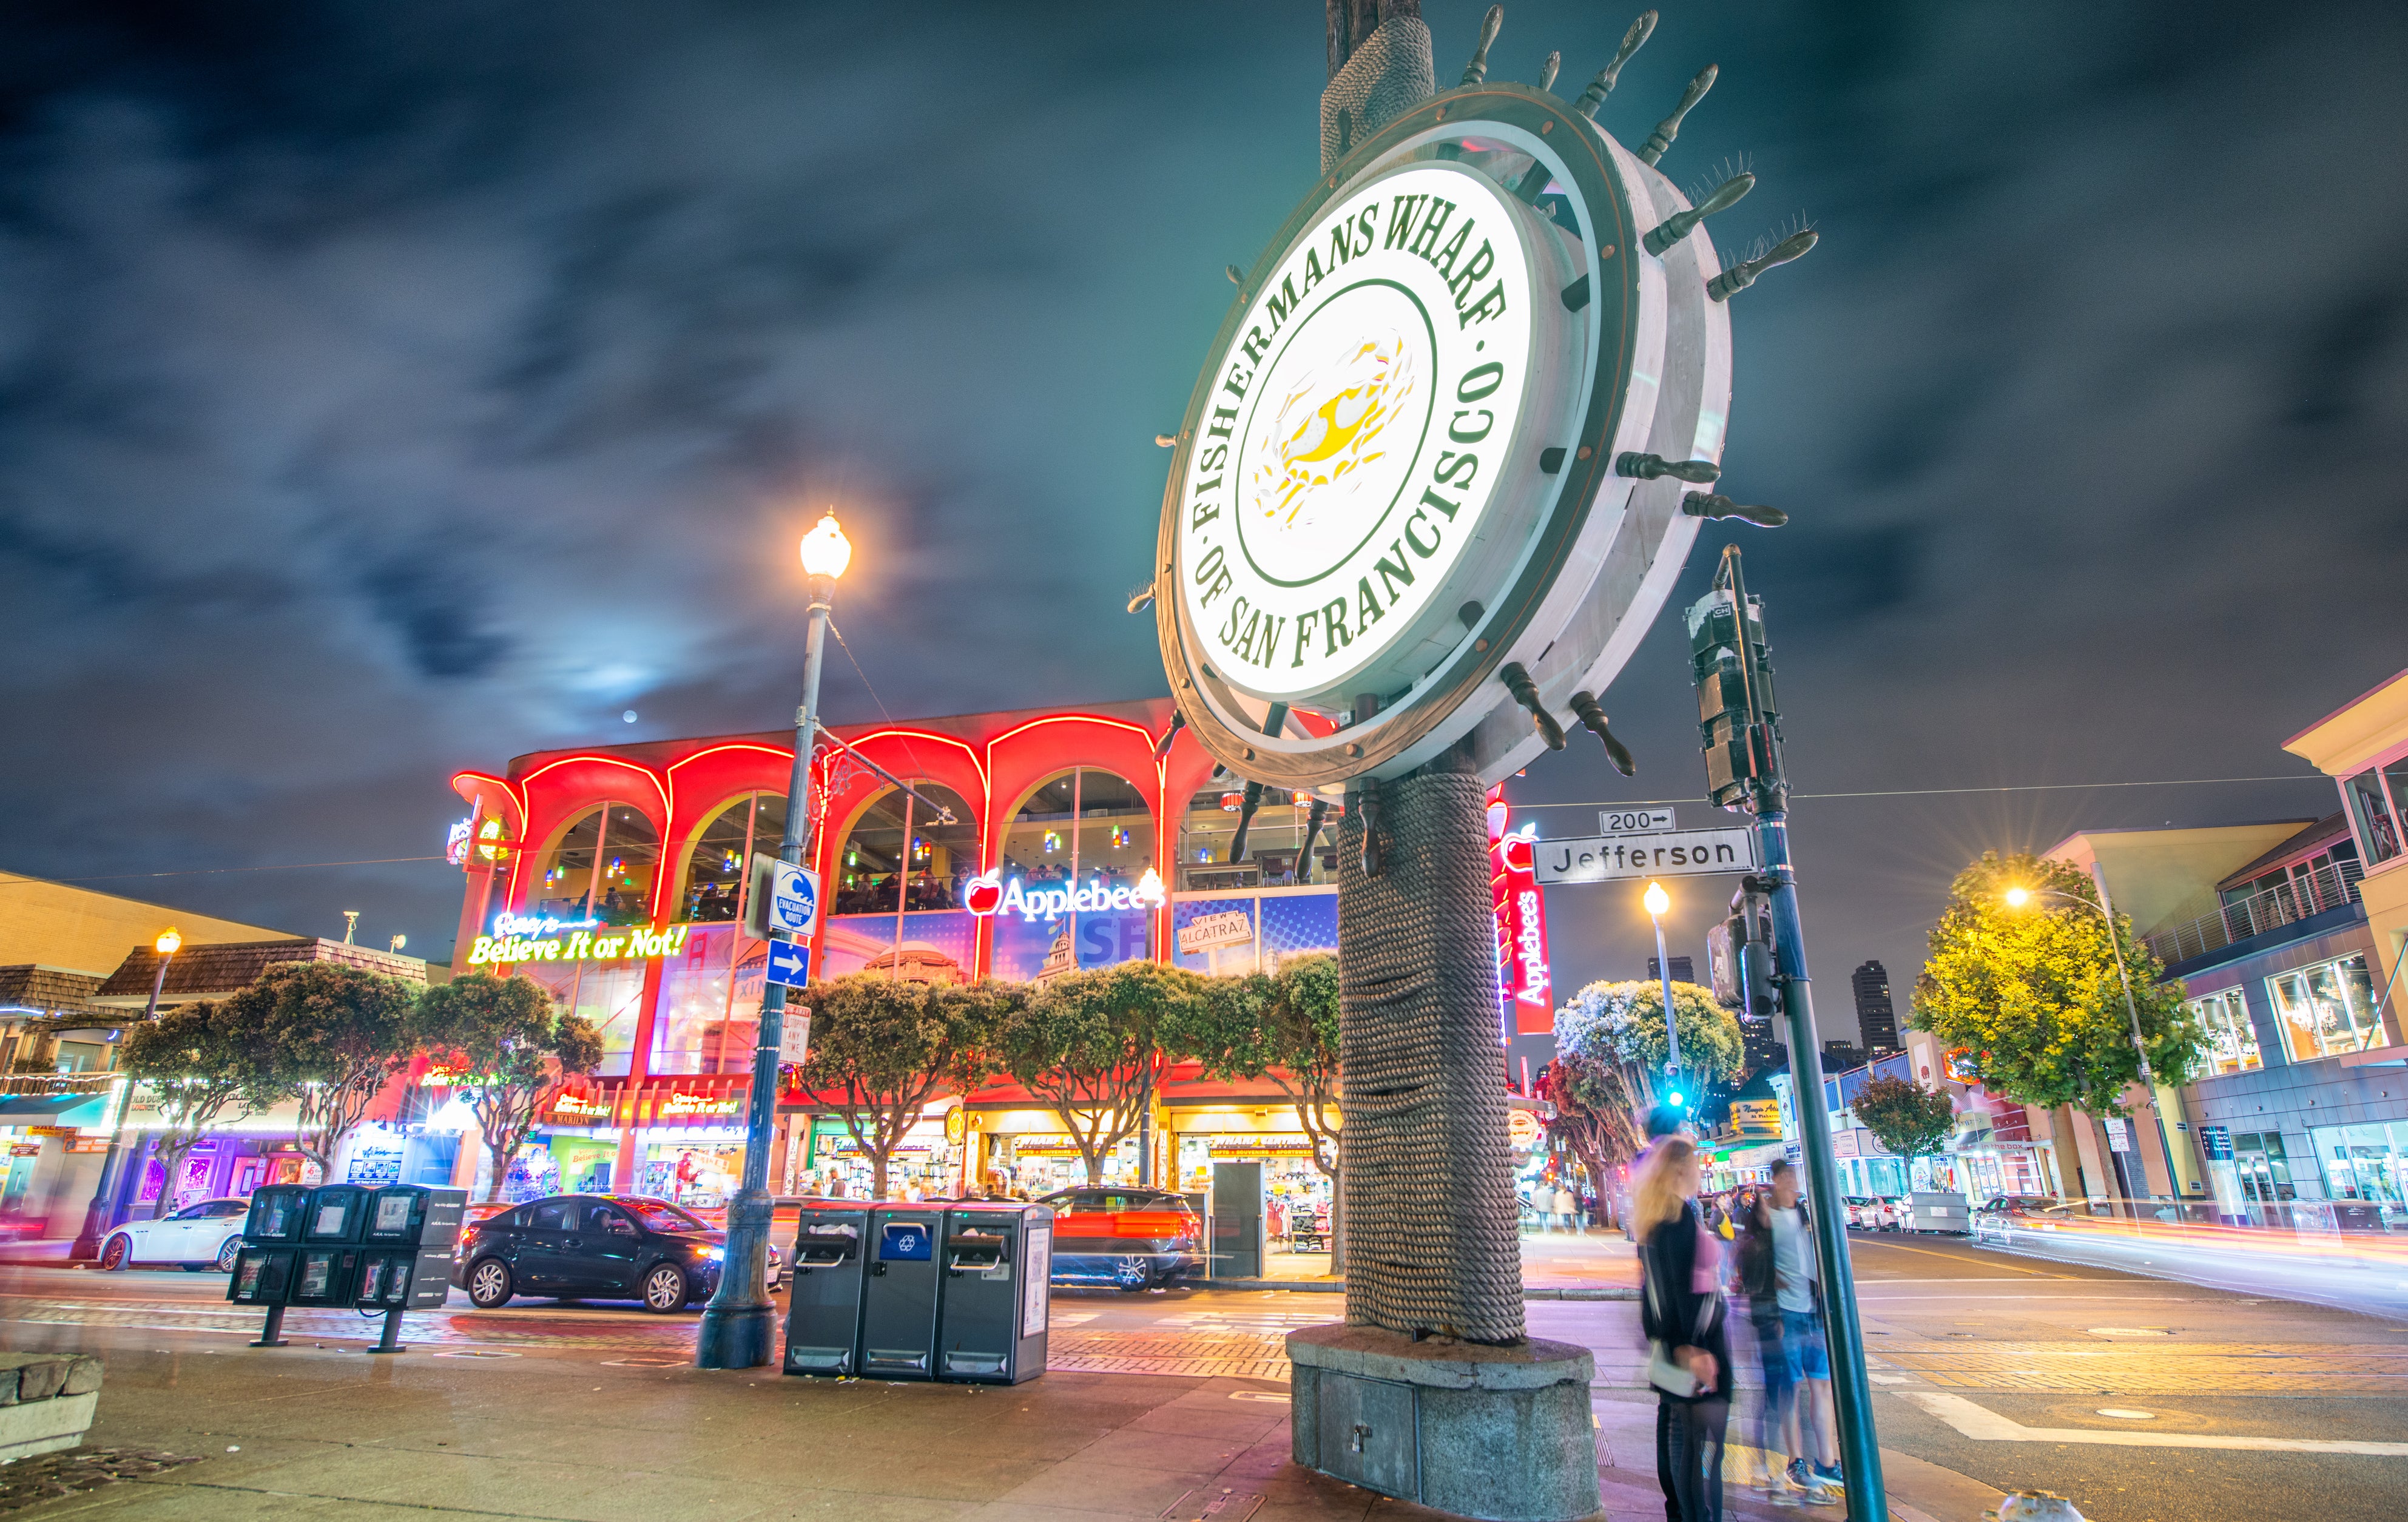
<point x="1438" y="466"/>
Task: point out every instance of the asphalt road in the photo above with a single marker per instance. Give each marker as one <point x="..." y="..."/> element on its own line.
<point x="2214" y="1391"/>
<point x="2225" y="1407"/>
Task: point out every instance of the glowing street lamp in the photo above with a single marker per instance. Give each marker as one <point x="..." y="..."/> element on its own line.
<point x="1659" y="904"/>
<point x="87" y="1243"/>
<point x="738" y="1325"/>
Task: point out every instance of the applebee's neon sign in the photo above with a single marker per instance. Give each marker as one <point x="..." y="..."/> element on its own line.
<point x="990" y="895"/>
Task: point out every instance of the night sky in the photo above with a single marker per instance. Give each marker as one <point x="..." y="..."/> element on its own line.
<point x="387" y="389"/>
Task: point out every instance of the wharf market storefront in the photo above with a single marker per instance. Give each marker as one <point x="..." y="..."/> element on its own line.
<point x="615" y="877"/>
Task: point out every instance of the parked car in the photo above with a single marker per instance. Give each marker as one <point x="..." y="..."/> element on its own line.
<point x="593" y="1247"/>
<point x="202" y="1235"/>
<point x="1136" y="1239"/>
<point x="1871" y="1213"/>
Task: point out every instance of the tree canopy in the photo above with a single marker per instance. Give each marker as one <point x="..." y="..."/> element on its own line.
<point x="1622" y="1024"/>
<point x="1906" y="1119"/>
<point x="2029" y="994"/>
<point x="328" y="1037"/>
<point x="1090" y="1044"/>
<point x="198" y="1061"/>
<point x="515" y="1050"/>
<point x="1283" y="1026"/>
<point x="881" y="1048"/>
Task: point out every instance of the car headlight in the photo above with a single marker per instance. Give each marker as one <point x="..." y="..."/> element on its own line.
<point x="712" y="1254"/>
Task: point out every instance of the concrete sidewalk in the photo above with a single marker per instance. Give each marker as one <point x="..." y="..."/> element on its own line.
<point x="1595" y="1264"/>
<point x="324" y="1431"/>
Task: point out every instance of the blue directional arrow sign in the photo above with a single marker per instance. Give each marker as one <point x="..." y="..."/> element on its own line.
<point x="790" y="963"/>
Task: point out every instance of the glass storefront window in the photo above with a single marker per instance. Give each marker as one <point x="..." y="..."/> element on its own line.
<point x="1208" y="829"/>
<point x="2366" y="1162"/>
<point x="899" y="857"/>
<point x="2378" y="826"/>
<point x="700" y="1027"/>
<point x="2327" y="1010"/>
<point x="602" y="868"/>
<point x="2232" y="1041"/>
<point x="715" y="875"/>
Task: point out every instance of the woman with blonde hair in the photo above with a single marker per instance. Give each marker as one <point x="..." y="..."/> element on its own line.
<point x="1681" y="1309"/>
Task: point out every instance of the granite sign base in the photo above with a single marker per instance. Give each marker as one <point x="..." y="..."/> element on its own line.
<point x="1498" y="1433"/>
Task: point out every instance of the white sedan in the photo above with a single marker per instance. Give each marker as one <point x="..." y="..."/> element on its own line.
<point x="203" y="1236"/>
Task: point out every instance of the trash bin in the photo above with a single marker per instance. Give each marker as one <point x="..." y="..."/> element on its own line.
<point x="900" y="1292"/>
<point x="992" y="1314"/>
<point x="824" y="1293"/>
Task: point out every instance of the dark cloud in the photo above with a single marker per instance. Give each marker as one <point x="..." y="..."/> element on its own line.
<point x="385" y="389"/>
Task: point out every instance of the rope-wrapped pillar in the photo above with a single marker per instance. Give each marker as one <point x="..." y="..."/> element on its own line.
<point x="1432" y="1230"/>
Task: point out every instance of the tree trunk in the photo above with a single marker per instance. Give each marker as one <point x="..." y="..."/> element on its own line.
<point x="1338" y="1214"/>
<point x="880" y="1157"/>
<point x="170" y="1156"/>
<point x="501" y="1156"/>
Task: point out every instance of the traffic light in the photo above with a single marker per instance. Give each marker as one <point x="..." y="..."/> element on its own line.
<point x="1739" y="953"/>
<point x="1737" y="718"/>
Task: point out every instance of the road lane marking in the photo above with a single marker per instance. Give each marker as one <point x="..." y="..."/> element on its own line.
<point x="1983" y="1424"/>
<point x="1977" y="1263"/>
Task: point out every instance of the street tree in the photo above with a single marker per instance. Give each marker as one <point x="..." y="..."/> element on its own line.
<point x="1091" y="1046"/>
<point x="198" y="1061"/>
<point x="1904" y="1117"/>
<point x="1610" y="1051"/>
<point x="882" y="1049"/>
<point x="1283" y="1028"/>
<point x="514" y="1050"/>
<point x="329" y="1038"/>
<point x="2027" y="997"/>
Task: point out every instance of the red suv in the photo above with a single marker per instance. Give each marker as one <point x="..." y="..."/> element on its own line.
<point x="1134" y="1239"/>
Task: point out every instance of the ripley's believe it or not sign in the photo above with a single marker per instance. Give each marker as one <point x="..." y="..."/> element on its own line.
<point x="519" y="938"/>
<point x="1396" y="474"/>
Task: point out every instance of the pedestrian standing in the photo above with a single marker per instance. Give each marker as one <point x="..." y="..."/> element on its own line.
<point x="1812" y="1433"/>
<point x="1682" y="1313"/>
<point x="1568" y="1208"/>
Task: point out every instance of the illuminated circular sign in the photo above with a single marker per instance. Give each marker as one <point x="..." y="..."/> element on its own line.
<point x="1397" y="476"/>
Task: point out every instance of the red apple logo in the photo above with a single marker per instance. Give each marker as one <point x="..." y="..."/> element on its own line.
<point x="983" y="895"/>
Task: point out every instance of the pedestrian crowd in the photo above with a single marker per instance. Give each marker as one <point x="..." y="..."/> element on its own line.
<point x="1697" y="1257"/>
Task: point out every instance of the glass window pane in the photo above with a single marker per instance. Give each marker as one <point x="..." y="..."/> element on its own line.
<point x="714" y="876"/>
<point x="881" y="871"/>
<point x="690" y="1031"/>
<point x="603" y="866"/>
<point x="2378" y="828"/>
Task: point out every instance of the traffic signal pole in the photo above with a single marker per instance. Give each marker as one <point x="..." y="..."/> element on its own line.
<point x="1851" y="1390"/>
<point x="1744" y="769"/>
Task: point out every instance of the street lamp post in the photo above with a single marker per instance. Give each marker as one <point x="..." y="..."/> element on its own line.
<point x="2105" y="908"/>
<point x="1659" y="903"/>
<point x="87" y="1242"/>
<point x="739" y="1325"/>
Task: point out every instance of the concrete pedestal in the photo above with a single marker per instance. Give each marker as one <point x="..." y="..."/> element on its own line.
<point x="1500" y="1433"/>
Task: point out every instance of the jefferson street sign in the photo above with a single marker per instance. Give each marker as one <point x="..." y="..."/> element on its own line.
<point x="1607" y="858"/>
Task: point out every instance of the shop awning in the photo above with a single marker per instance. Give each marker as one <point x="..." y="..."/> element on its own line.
<point x="80" y="1109"/>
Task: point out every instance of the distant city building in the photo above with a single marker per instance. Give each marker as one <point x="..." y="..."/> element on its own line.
<point x="1761" y="1046"/>
<point x="1684" y="969"/>
<point x="1876" y="1016"/>
<point x="1839" y="1056"/>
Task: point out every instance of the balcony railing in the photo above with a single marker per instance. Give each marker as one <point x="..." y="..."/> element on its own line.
<point x="93" y="1083"/>
<point x="2330" y="886"/>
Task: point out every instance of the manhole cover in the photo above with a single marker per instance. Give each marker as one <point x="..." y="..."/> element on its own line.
<point x="644" y="1363"/>
<point x="474" y="1353"/>
<point x="2130" y="1332"/>
<point x="2127" y="1414"/>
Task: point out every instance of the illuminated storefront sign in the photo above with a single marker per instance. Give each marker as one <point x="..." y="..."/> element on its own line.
<point x="1523" y="980"/>
<point x="990" y="895"/>
<point x="514" y="943"/>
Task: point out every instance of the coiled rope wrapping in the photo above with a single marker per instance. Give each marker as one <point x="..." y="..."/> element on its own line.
<point x="1432" y="1232"/>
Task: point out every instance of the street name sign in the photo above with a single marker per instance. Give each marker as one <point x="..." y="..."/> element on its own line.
<point x="1607" y="858"/>
<point x="1612" y="822"/>
<point x="790" y="963"/>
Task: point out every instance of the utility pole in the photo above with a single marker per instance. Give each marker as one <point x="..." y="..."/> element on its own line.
<point x="1741" y="722"/>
